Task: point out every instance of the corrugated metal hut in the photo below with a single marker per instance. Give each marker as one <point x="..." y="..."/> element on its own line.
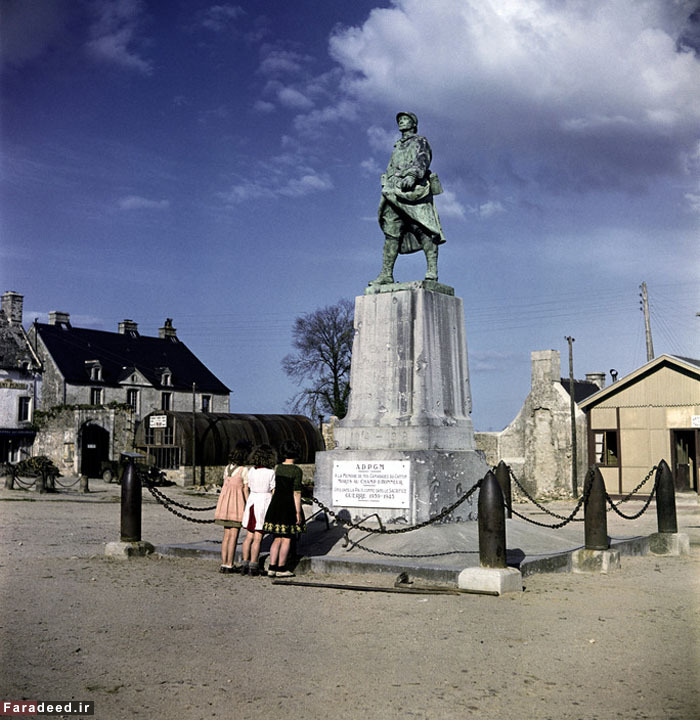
<point x="166" y="436"/>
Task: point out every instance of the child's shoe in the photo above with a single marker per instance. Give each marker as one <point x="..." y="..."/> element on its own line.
<point x="285" y="572"/>
<point x="272" y="571"/>
<point x="253" y="570"/>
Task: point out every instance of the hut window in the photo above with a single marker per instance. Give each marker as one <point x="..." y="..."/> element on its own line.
<point x="95" y="396"/>
<point x="206" y="403"/>
<point x="165" y="399"/>
<point x="606" y="449"/>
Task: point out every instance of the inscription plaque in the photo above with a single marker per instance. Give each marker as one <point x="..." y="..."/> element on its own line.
<point x="381" y="484"/>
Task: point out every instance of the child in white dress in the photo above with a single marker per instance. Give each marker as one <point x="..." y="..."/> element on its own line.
<point x="261" y="483"/>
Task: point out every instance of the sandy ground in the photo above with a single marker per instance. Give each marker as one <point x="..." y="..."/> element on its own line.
<point x="171" y="638"/>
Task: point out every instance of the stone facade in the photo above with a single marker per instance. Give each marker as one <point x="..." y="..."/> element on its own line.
<point x="61" y="434"/>
<point x="537" y="444"/>
<point x="134" y="388"/>
<point x="20" y="382"/>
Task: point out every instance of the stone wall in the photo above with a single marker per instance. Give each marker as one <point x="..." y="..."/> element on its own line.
<point x="537" y="444"/>
<point x="59" y="429"/>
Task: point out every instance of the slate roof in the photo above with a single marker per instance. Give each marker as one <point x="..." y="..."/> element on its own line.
<point x="71" y="348"/>
<point x="582" y="389"/>
<point x="14" y="347"/>
<point x="690" y="361"/>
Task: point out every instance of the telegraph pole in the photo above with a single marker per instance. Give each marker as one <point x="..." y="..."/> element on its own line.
<point x="644" y="302"/>
<point x="572" y="401"/>
<point x="194" y="433"/>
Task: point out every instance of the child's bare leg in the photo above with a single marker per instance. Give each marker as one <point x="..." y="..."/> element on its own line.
<point x="274" y="551"/>
<point x="285" y="544"/>
<point x="228" y="548"/>
<point x="245" y="549"/>
<point x="255" y="549"/>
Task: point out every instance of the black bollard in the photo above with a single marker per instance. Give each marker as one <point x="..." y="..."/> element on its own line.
<point x="665" y="500"/>
<point x="595" y="519"/>
<point x="503" y="477"/>
<point x="84" y="484"/>
<point x="492" y="524"/>
<point x="40" y="484"/>
<point x="131" y="504"/>
<point x="10" y="482"/>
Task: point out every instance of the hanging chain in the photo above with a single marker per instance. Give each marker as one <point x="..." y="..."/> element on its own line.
<point x="398" y="531"/>
<point x="167" y="506"/>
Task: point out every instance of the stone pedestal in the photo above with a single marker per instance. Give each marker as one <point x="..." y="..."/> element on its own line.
<point x="410" y="401"/>
<point x="669" y="544"/>
<point x="491" y="580"/>
<point x="600" y="561"/>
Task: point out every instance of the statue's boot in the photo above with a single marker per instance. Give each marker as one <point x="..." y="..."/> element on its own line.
<point x="391" y="252"/>
<point x="431" y="257"/>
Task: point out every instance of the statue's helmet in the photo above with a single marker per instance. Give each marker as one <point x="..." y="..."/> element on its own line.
<point x="410" y="115"/>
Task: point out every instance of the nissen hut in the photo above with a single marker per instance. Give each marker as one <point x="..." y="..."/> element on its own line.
<point x="166" y="438"/>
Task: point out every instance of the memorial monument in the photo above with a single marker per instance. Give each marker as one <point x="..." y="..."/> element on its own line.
<point x="406" y="450"/>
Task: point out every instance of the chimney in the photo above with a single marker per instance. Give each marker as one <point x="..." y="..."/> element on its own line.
<point x="597" y="378"/>
<point x="59" y="318"/>
<point x="167" y="331"/>
<point x="128" y="327"/>
<point x="12" y="307"/>
<point x="545" y="367"/>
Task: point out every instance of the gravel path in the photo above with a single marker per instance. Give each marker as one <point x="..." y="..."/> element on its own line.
<point x="171" y="638"/>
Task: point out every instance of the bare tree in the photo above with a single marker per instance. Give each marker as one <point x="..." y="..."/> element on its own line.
<point x="323" y="346"/>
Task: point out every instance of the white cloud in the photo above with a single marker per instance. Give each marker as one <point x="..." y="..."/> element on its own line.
<point x="489" y="209"/>
<point x="693" y="201"/>
<point x="291" y="98"/>
<point x="582" y="95"/>
<point x="263" y="106"/>
<point x="448" y="205"/>
<point x="277" y="62"/>
<point x="380" y="139"/>
<point x="115" y="34"/>
<point x="281" y="177"/>
<point x="135" y="202"/>
<point x="220" y="17"/>
<point x="371" y="167"/>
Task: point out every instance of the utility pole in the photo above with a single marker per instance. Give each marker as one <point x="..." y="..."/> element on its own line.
<point x="644" y="302"/>
<point x="194" y="433"/>
<point x="572" y="402"/>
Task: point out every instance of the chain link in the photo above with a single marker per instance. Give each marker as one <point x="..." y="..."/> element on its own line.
<point x="66" y="485"/>
<point x="409" y="555"/>
<point x="169" y="501"/>
<point x="165" y="504"/>
<point x="565" y="520"/>
<point x="645" y="507"/>
<point x="629" y="494"/>
<point x="539" y="505"/>
<point x="23" y="485"/>
<point x="398" y="531"/>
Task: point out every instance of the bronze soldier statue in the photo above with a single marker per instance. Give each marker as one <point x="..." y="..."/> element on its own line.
<point x="407" y="214"/>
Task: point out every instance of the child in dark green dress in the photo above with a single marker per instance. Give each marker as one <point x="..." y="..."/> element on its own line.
<point x="284" y="518"/>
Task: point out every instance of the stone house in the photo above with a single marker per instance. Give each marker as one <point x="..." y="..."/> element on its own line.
<point x="537" y="444"/>
<point x="651" y="414"/>
<point x="98" y="385"/>
<point x="20" y="382"/>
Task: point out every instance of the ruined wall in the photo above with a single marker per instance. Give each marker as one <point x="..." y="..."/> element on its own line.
<point x="59" y="433"/>
<point x="537" y="444"/>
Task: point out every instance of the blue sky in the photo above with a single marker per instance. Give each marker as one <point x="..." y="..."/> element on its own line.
<point x="219" y="164"/>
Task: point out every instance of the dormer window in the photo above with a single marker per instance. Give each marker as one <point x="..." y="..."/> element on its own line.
<point x="166" y="378"/>
<point x="94" y="368"/>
